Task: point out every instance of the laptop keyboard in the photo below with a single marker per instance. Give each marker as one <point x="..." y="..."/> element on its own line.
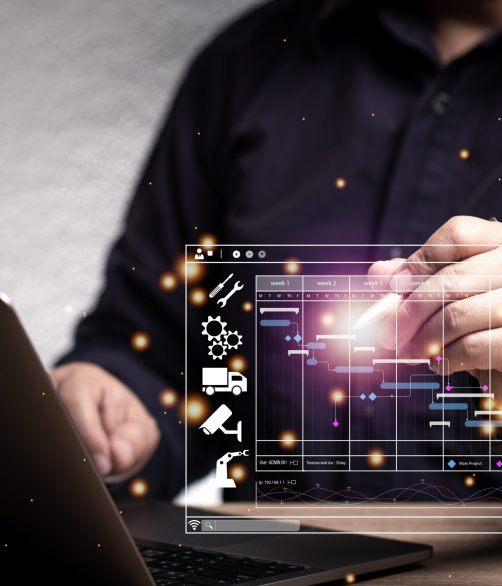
<point x="175" y="565"/>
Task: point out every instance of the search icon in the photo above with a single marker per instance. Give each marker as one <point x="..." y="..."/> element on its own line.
<point x="209" y="525"/>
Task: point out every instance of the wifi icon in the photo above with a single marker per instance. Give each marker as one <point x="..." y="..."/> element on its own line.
<point x="194" y="524"/>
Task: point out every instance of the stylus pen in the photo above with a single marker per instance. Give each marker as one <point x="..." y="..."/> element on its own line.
<point x="383" y="306"/>
<point x="378" y="310"/>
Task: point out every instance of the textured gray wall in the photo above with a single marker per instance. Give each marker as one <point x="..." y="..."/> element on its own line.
<point x="83" y="87"/>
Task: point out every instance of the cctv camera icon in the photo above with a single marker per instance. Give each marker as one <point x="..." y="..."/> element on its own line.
<point x="215" y="422"/>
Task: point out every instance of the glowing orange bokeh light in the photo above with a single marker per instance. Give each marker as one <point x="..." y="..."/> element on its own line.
<point x="168" y="281"/>
<point x="197" y="409"/>
<point x="288" y="439"/>
<point x="198" y="296"/>
<point x="376" y="458"/>
<point x="138" y="488"/>
<point x="193" y="271"/>
<point x="336" y="396"/>
<point x="350" y="578"/>
<point x="140" y="341"/>
<point x="340" y="183"/>
<point x="208" y="240"/>
<point x="168" y="398"/>
<point x="469" y="481"/>
<point x="238" y="363"/>
<point x="247" y="306"/>
<point x="238" y="472"/>
<point x="292" y="266"/>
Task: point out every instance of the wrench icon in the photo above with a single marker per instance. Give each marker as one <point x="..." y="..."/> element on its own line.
<point x="223" y="300"/>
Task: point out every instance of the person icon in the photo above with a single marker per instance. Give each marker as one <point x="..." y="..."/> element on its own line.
<point x="199" y="255"/>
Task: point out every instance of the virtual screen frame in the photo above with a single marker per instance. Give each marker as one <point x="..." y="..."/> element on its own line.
<point x="285" y="500"/>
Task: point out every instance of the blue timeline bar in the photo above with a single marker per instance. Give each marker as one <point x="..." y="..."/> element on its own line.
<point x="448" y="406"/>
<point x="408" y="385"/>
<point x="275" y="323"/>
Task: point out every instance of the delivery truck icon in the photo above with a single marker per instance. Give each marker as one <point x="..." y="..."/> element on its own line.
<point x="221" y="380"/>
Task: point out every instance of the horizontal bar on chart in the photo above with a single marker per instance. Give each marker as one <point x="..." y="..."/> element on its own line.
<point x="280" y="310"/>
<point x="364" y="349"/>
<point x="476" y="413"/>
<point x="316" y="346"/>
<point x="448" y="406"/>
<point x="335" y="337"/>
<point x="401" y="361"/>
<point x="275" y="323"/>
<point x="292" y="352"/>
<point x="439" y="424"/>
<point x="482" y="423"/>
<point x="356" y="369"/>
<point x="409" y="385"/>
<point x="464" y="395"/>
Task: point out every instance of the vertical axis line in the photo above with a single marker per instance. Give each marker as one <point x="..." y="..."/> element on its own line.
<point x="256" y="373"/>
<point x="303" y="375"/>
<point x="442" y="362"/>
<point x="350" y="374"/>
<point x="490" y="438"/>
<point x="397" y="390"/>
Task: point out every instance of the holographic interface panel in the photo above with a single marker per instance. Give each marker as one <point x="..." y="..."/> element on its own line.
<point x="327" y="392"/>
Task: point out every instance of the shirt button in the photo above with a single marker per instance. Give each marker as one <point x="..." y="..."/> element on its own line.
<point x="439" y="103"/>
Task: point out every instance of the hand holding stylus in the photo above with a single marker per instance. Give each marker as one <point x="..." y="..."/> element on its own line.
<point x="463" y="256"/>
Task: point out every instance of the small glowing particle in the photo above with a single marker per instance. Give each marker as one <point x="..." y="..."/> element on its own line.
<point x="138" y="488"/>
<point x="247" y="306"/>
<point x="196" y="409"/>
<point x="469" y="481"/>
<point x="168" y="281"/>
<point x="198" y="296"/>
<point x="150" y="183"/>
<point x="208" y="240"/>
<point x="284" y="40"/>
<point x="98" y="545"/>
<point x="140" y="341"/>
<point x="327" y="319"/>
<point x="238" y="472"/>
<point x="288" y="439"/>
<point x="238" y="363"/>
<point x="350" y="578"/>
<point x="192" y="271"/>
<point x="340" y="183"/>
<point x="376" y="458"/>
<point x="336" y="396"/>
<point x="464" y="154"/>
<point x="292" y="266"/>
<point x="168" y="398"/>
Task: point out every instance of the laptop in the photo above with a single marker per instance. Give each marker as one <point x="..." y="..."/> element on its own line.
<point x="59" y="524"/>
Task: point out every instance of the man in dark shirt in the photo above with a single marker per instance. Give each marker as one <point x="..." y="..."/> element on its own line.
<point x="310" y="122"/>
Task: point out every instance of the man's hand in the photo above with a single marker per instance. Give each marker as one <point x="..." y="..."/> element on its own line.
<point x="463" y="256"/>
<point x="118" y="431"/>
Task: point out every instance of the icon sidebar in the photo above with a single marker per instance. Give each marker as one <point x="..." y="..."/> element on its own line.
<point x="221" y="339"/>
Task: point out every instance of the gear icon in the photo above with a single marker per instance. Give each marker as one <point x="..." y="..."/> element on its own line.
<point x="217" y="350"/>
<point x="233" y="340"/>
<point x="214" y="328"/>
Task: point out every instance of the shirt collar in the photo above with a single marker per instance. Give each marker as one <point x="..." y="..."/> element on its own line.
<point x="405" y="21"/>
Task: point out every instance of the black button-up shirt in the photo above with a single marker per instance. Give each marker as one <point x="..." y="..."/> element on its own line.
<point x="305" y="122"/>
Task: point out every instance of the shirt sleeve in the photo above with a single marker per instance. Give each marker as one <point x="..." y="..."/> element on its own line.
<point x="177" y="200"/>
